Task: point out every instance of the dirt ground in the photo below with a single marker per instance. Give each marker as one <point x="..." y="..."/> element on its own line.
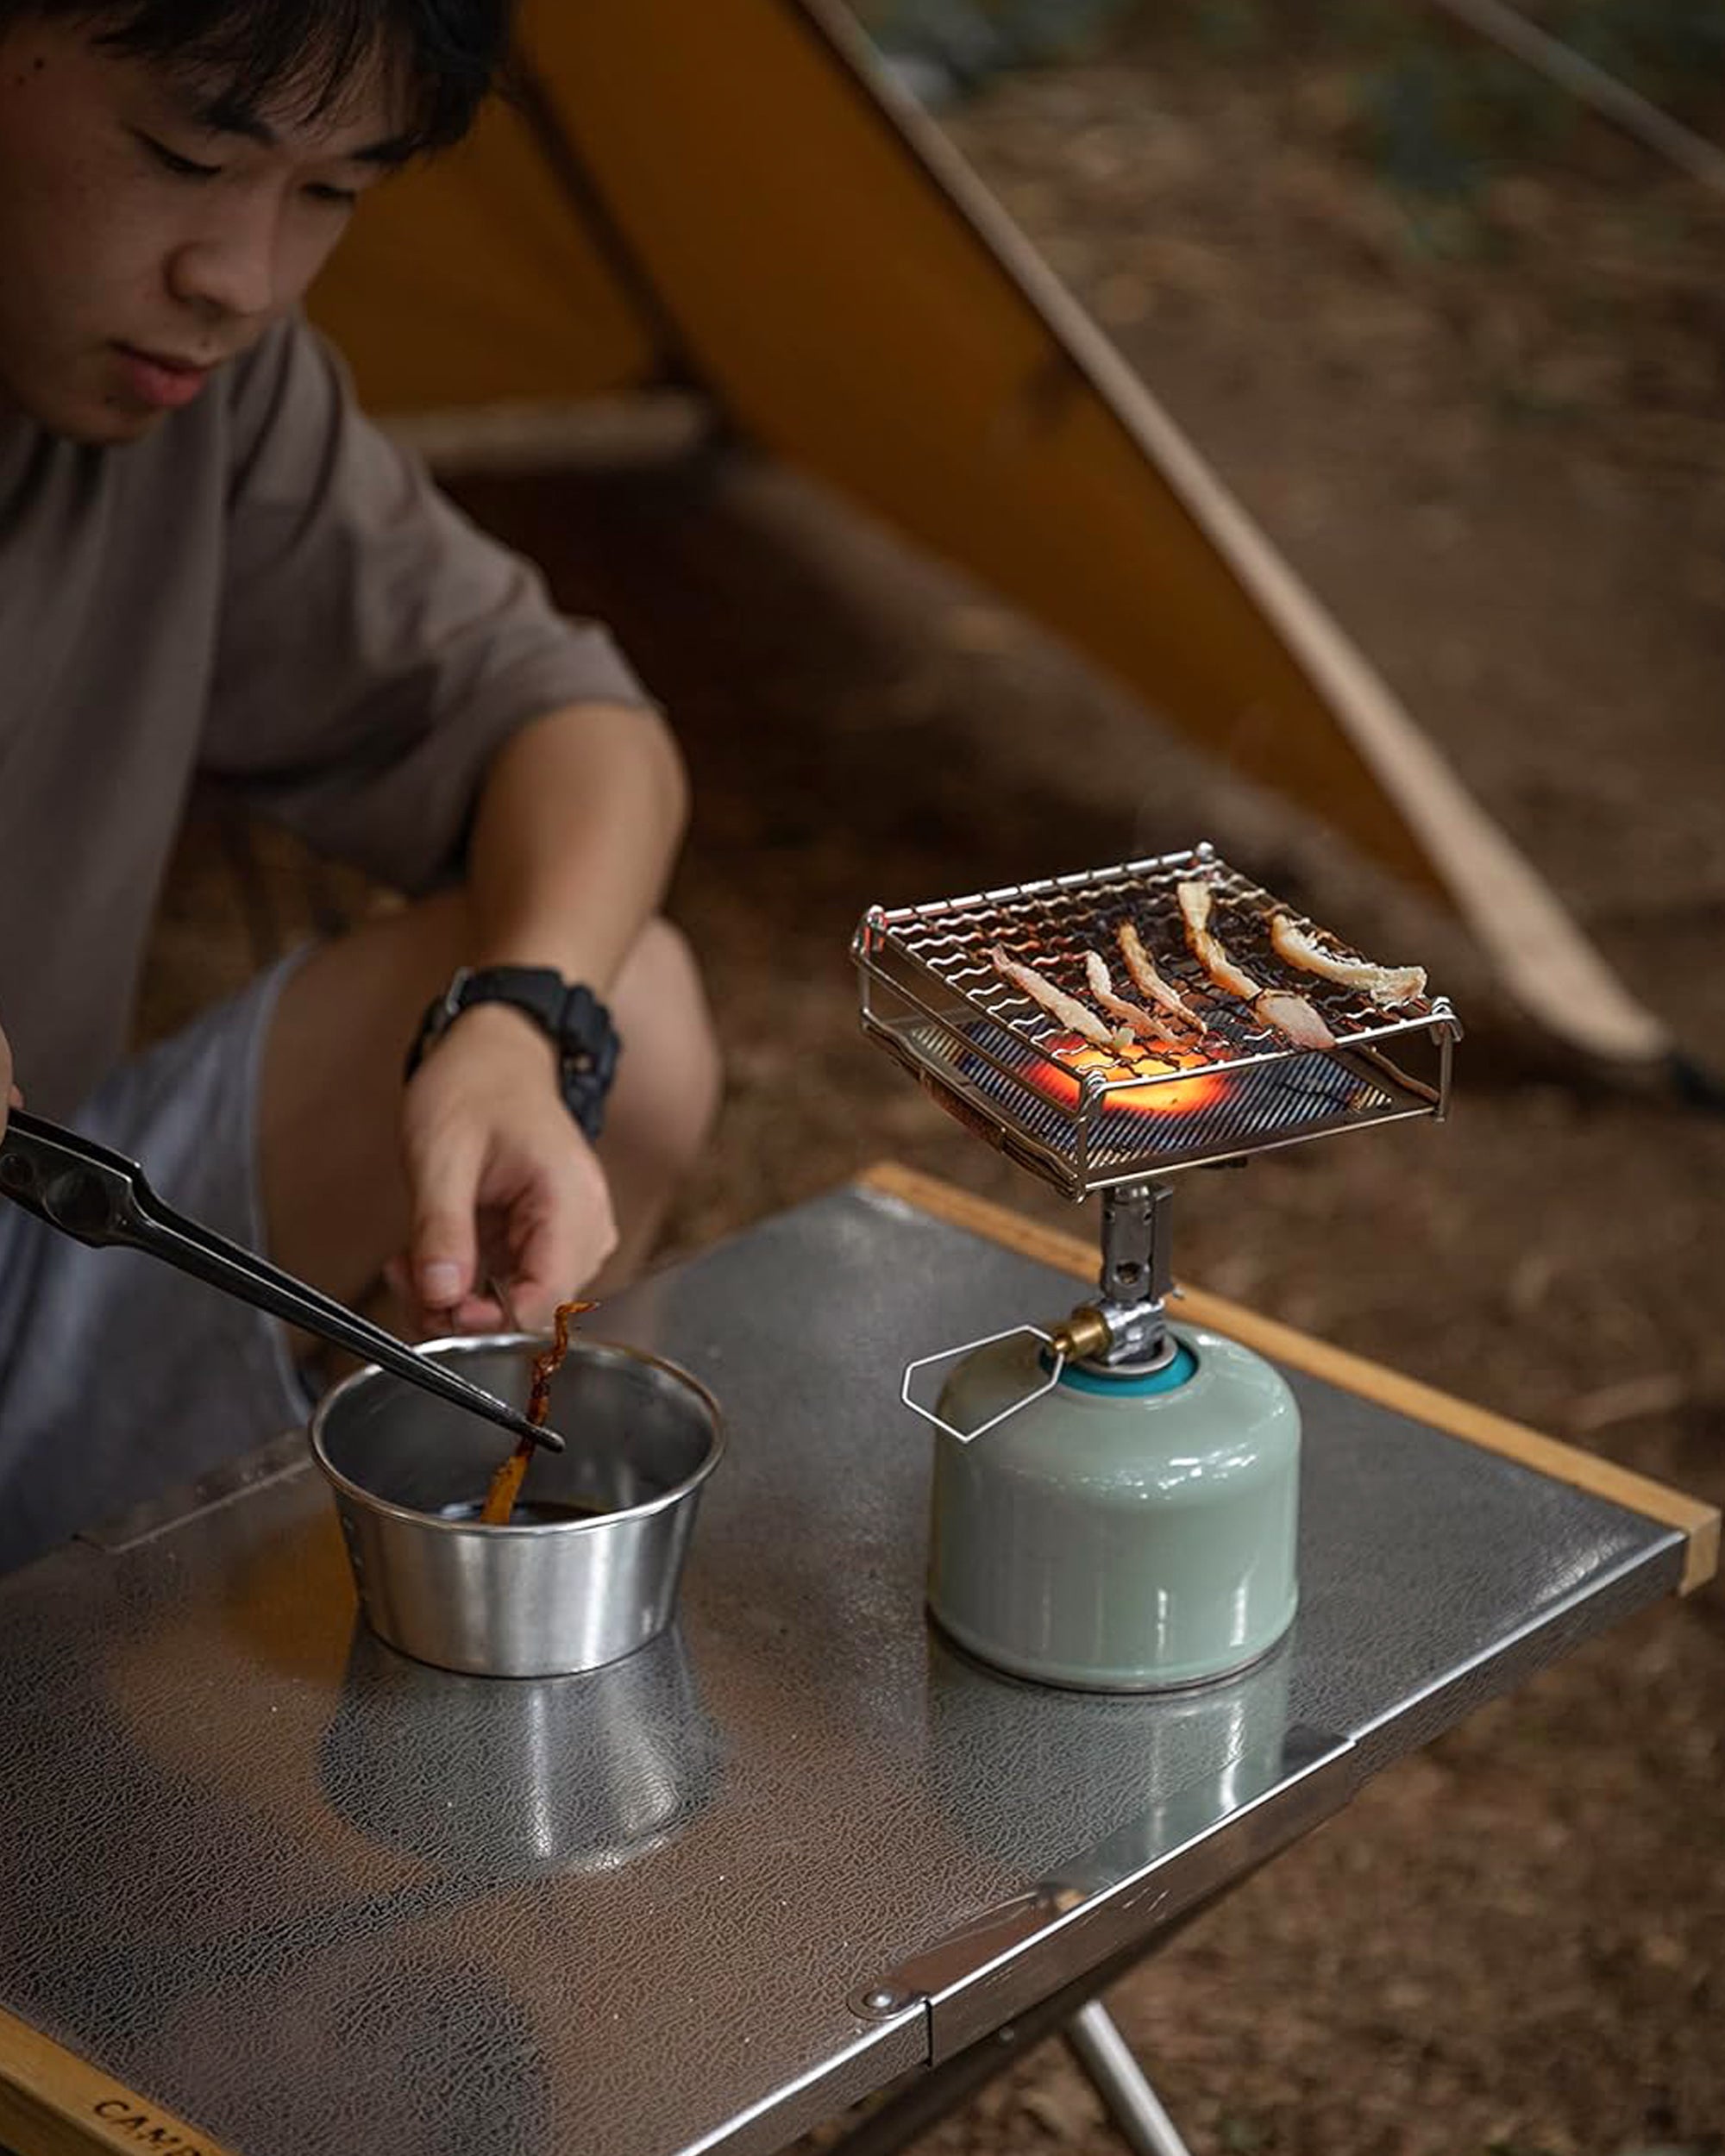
<point x="1492" y="440"/>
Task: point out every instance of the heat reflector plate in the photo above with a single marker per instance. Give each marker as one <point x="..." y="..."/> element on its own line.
<point x="931" y="995"/>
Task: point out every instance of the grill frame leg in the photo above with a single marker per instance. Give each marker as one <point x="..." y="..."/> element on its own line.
<point x="1108" y="2064"/>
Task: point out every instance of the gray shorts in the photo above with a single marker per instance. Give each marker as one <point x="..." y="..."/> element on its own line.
<point x="120" y="1378"/>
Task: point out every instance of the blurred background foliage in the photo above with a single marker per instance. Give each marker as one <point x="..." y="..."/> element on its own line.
<point x="1438" y="110"/>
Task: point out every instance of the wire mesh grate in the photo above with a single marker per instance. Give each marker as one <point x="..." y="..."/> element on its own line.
<point x="1084" y="1116"/>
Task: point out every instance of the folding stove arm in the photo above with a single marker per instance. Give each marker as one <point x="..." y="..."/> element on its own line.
<point x="1125" y="1328"/>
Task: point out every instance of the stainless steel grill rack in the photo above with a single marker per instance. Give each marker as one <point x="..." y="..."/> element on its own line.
<point x="932" y="997"/>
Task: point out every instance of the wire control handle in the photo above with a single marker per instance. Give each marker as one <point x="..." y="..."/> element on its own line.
<point x="948" y="1354"/>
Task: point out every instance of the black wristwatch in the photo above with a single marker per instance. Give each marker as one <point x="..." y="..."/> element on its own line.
<point x="578" y="1024"/>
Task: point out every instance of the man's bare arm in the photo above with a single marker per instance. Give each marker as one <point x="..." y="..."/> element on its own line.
<point x="577" y="827"/>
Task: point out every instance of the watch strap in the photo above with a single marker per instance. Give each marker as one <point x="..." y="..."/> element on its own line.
<point x="571" y="1017"/>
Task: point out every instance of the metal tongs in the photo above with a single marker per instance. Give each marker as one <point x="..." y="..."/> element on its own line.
<point x="104" y="1199"/>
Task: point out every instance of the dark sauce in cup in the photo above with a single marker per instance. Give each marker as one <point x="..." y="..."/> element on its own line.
<point x="530" y="1511"/>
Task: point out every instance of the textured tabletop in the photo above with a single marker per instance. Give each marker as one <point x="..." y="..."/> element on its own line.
<point x="314" y="1898"/>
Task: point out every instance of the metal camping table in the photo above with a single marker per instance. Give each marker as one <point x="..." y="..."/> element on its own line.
<point x="266" y="1887"/>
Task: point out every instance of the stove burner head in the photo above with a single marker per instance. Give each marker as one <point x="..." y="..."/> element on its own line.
<point x="1136" y="1085"/>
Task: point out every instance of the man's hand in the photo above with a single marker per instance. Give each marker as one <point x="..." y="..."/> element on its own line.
<point x="502" y="1184"/>
<point x="9" y="1094"/>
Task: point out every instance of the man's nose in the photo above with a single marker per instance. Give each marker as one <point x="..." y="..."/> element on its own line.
<point x="231" y="269"/>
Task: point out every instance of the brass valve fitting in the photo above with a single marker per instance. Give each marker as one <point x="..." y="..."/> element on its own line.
<point x="1084" y="1336"/>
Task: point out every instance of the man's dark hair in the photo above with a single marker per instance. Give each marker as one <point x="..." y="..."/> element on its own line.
<point x="299" y="57"/>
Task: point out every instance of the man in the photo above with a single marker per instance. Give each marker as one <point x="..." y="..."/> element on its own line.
<point x="211" y="567"/>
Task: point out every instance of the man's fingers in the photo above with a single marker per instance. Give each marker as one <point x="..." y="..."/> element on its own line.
<point x="478" y="1313"/>
<point x="558" y="1257"/>
<point x="442" y="1248"/>
<point x="511" y="1211"/>
<point x="14" y="1098"/>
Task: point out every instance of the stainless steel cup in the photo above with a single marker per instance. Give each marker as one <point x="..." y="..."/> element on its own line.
<point x="591" y="1571"/>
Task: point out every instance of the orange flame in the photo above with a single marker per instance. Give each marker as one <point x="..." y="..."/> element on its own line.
<point x="1159" y="1095"/>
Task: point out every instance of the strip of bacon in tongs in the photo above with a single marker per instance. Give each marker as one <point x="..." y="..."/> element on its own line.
<point x="1071" y="1014"/>
<point x="1148" y="982"/>
<point x="1384" y="984"/>
<point x="1288" y="1014"/>
<point x="1132" y="1014"/>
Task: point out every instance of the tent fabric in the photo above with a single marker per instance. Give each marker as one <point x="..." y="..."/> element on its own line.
<point x="478" y="279"/>
<point x="731" y="194"/>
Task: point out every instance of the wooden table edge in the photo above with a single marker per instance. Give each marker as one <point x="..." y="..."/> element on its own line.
<point x="53" y="2103"/>
<point x="1698" y="1521"/>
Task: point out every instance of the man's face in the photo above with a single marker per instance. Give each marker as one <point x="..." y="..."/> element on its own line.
<point x="149" y="231"/>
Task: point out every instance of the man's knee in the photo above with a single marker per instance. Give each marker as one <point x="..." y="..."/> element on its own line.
<point x="670" y="1074"/>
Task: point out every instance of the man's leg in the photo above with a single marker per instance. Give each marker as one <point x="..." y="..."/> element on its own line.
<point x="334" y="1194"/>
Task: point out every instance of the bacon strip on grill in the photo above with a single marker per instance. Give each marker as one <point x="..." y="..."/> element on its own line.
<point x="1133" y="1014"/>
<point x="1146" y="979"/>
<point x="1071" y="1014"/>
<point x="1384" y="984"/>
<point x="1292" y="1015"/>
<point x="1279" y="1008"/>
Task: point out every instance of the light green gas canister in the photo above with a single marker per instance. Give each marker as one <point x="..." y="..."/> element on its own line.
<point x="1115" y="1499"/>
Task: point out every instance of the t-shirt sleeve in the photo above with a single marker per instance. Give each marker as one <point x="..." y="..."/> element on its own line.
<point x="374" y="647"/>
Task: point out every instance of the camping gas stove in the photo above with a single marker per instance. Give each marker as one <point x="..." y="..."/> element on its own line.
<point x="1128" y="1521"/>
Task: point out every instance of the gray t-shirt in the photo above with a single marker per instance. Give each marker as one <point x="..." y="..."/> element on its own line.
<point x="264" y="592"/>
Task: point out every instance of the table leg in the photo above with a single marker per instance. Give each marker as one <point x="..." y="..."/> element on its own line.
<point x="928" y="2095"/>
<point x="1130" y="2103"/>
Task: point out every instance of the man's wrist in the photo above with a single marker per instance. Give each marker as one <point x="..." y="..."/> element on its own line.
<point x="573" y="1021"/>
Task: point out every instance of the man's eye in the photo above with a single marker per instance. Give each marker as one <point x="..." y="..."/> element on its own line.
<point x="337" y="197"/>
<point x="171" y="161"/>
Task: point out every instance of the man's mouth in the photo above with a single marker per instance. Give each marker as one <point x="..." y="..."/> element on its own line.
<point x="162" y="380"/>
